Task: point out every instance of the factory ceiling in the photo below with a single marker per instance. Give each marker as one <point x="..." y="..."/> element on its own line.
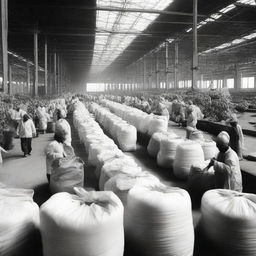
<point x="97" y="35"/>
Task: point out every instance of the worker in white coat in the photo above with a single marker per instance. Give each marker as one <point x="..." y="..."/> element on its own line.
<point x="54" y="150"/>
<point x="226" y="166"/>
<point x="26" y="131"/>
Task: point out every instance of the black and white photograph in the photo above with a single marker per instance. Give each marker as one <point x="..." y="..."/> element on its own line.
<point x="128" y="128"/>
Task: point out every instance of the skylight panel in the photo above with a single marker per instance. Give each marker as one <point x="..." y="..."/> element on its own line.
<point x="232" y="43"/>
<point x="250" y="2"/>
<point x="220" y="13"/>
<point x="122" y="27"/>
<point x="228" y="8"/>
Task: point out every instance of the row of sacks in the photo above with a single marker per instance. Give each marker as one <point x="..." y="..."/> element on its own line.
<point x="157" y="220"/>
<point x="122" y="132"/>
<point x="103" y="153"/>
<point x="144" y="123"/>
<point x="136" y="189"/>
<point x="175" y="152"/>
<point x="98" y="146"/>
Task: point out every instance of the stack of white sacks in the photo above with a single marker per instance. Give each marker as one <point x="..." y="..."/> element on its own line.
<point x="121" y="175"/>
<point x="172" y="151"/>
<point x="124" y="133"/>
<point x="144" y="123"/>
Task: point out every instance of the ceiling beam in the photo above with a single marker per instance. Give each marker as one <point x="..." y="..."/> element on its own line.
<point x="112" y="9"/>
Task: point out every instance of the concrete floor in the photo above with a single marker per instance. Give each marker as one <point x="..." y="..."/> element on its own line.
<point x="29" y="172"/>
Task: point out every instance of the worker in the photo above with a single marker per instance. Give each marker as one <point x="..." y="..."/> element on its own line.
<point x="191" y="121"/>
<point x="226" y="166"/>
<point x="54" y="150"/>
<point x="237" y="142"/>
<point x="43" y="118"/>
<point x="163" y="108"/>
<point x="63" y="125"/>
<point x="26" y="131"/>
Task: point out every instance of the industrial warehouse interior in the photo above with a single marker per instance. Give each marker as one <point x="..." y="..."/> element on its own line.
<point x="128" y="128"/>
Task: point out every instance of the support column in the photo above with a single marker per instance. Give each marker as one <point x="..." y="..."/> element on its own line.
<point x="151" y="73"/>
<point x="50" y="91"/>
<point x="28" y="79"/>
<point x="166" y="65"/>
<point x="176" y="65"/>
<point x="157" y="71"/>
<point x="195" y="50"/>
<point x="238" y="79"/>
<point x="4" y="34"/>
<point x="46" y="68"/>
<point x="55" y="73"/>
<point x="10" y="80"/>
<point x="58" y="73"/>
<point x="35" y="85"/>
<point x="144" y="73"/>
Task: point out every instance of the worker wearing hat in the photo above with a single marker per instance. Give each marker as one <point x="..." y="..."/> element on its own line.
<point x="226" y="166"/>
<point x="237" y="141"/>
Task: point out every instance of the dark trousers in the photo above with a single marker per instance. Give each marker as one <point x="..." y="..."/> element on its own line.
<point x="26" y="145"/>
<point x="48" y="177"/>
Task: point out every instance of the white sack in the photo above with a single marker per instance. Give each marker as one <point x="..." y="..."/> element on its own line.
<point x="19" y="220"/>
<point x="122" y="183"/>
<point x="159" y="220"/>
<point x="158" y="124"/>
<point x="229" y="220"/>
<point x="106" y="174"/>
<point x="187" y="154"/>
<point x="166" y="155"/>
<point x="86" y="224"/>
<point x="209" y="148"/>
<point x="154" y="143"/>
<point x="127" y="138"/>
<point x="67" y="173"/>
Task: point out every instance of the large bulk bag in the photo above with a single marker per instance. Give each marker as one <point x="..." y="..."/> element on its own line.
<point x="86" y="224"/>
<point x="19" y="222"/>
<point x="196" y="135"/>
<point x="127" y="138"/>
<point x="98" y="148"/>
<point x="187" y="154"/>
<point x="118" y="162"/>
<point x="62" y="127"/>
<point x="209" y="148"/>
<point x="104" y="157"/>
<point x="154" y="143"/>
<point x="67" y="173"/>
<point x="228" y="220"/>
<point x="143" y="123"/>
<point x="122" y="183"/>
<point x="201" y="179"/>
<point x="166" y="155"/>
<point x="159" y="220"/>
<point x="158" y="124"/>
<point x="106" y="174"/>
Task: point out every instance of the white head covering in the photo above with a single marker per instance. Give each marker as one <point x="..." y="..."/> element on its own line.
<point x="223" y="138"/>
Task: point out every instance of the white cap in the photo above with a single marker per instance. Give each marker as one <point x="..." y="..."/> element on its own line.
<point x="223" y="138"/>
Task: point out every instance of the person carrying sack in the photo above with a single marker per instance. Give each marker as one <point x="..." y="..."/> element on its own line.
<point x="57" y="149"/>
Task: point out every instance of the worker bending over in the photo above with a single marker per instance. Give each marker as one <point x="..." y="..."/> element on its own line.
<point x="226" y="166"/>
